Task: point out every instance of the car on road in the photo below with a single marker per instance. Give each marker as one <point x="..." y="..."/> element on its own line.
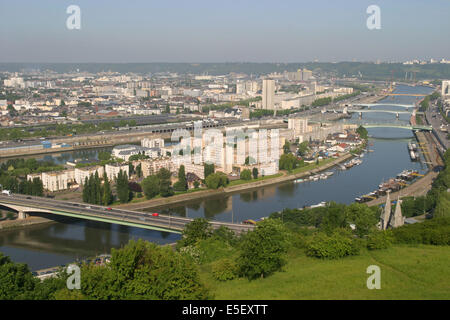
<point x="109" y="208"/>
<point x="88" y="207"/>
<point x="155" y="214"/>
<point x="29" y="198"/>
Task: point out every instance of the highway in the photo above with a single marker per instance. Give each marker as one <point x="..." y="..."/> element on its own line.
<point x="436" y="120"/>
<point x="138" y="219"/>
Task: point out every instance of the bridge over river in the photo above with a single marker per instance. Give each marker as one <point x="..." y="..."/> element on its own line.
<point x="27" y="205"/>
<point x="369" y="105"/>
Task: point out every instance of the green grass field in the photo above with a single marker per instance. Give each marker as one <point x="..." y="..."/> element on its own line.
<point x="406" y="273"/>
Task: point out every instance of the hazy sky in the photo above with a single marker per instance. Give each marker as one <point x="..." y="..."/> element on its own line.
<point x="223" y="31"/>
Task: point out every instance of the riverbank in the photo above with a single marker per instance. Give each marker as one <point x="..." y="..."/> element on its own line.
<point x="177" y="199"/>
<point x="30" y="221"/>
<point x="422" y="185"/>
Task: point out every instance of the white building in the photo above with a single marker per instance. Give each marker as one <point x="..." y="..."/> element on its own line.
<point x="112" y="170"/>
<point x="56" y="180"/>
<point x="82" y="173"/>
<point x="151" y="167"/>
<point x="299" y="125"/>
<point x="152" y="143"/>
<point x="268" y="94"/>
<point x="124" y="152"/>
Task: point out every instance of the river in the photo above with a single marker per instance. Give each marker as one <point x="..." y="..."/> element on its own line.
<point x="64" y="241"/>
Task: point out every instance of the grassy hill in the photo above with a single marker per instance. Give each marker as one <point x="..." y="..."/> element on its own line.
<point x="419" y="272"/>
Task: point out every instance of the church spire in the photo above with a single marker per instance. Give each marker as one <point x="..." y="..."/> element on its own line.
<point x="397" y="220"/>
<point x="385" y="215"/>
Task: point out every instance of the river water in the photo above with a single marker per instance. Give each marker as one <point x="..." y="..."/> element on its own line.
<point x="64" y="241"/>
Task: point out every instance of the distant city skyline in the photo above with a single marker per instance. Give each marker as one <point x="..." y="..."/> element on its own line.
<point x="214" y="32"/>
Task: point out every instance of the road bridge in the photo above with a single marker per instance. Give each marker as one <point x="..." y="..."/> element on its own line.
<point x="27" y="205"/>
<point x="369" y="105"/>
<point x="384" y="111"/>
<point x="407" y="94"/>
<point x="397" y="126"/>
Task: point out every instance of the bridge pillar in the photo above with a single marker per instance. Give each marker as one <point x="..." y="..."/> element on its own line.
<point x="22" y="215"/>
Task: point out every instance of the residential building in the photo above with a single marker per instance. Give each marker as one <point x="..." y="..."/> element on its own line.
<point x="82" y="173"/>
<point x="268" y="94"/>
<point x="112" y="170"/>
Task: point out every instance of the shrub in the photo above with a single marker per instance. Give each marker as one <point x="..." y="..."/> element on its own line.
<point x="246" y="174"/>
<point x="192" y="252"/>
<point x="224" y="270"/>
<point x="435" y="232"/>
<point x="338" y="245"/>
<point x="379" y="240"/>
<point x="212" y="249"/>
<point x="263" y="250"/>
<point x="198" y="229"/>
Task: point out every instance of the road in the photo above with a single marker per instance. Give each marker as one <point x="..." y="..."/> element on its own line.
<point x="115" y="215"/>
<point x="435" y="118"/>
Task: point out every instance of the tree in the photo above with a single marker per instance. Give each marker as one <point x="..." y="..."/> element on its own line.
<point x="37" y="187"/>
<point x="246" y="174"/>
<point x="107" y="194"/>
<point x="363" y="133"/>
<point x="363" y="217"/>
<point x="104" y="156"/>
<point x="86" y="190"/>
<point x="263" y="249"/>
<point x="197" y="229"/>
<point x="208" y="169"/>
<point x="143" y="270"/>
<point x="139" y="170"/>
<point x="442" y="205"/>
<point x="303" y="148"/>
<point x="150" y="186"/>
<point x="249" y="160"/>
<point x="288" y="162"/>
<point x="123" y="190"/>
<point x="255" y="173"/>
<point x="16" y="280"/>
<point x="181" y="184"/>
<point x="286" y="147"/>
<point x="98" y="189"/>
<point x="216" y="180"/>
<point x="165" y="184"/>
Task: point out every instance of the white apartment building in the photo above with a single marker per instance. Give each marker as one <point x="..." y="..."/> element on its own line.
<point x="298" y="125"/>
<point x="112" y="170"/>
<point x="268" y="94"/>
<point x="197" y="169"/>
<point x="82" y="173"/>
<point x="124" y="152"/>
<point x="55" y="181"/>
<point x="268" y="169"/>
<point x="152" y="143"/>
<point x="151" y="167"/>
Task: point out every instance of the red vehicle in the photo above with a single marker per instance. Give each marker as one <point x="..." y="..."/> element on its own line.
<point x="155" y="214"/>
<point x="109" y="208"/>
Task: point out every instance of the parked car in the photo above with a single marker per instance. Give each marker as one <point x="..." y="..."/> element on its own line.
<point x="155" y="214"/>
<point x="109" y="208"/>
